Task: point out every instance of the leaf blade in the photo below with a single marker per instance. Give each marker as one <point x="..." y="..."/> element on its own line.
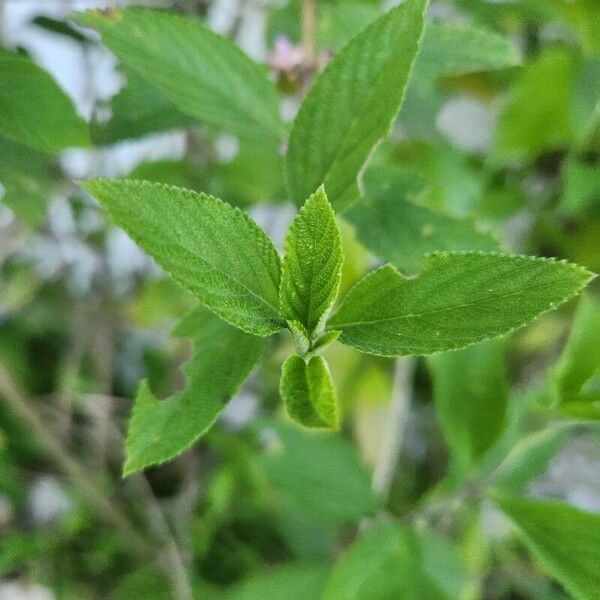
<point x="458" y="299"/>
<point x="214" y="250"/>
<point x="351" y="106"/>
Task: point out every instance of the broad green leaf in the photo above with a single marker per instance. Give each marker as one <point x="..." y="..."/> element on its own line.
<point x="311" y="269"/>
<point x="394" y="562"/>
<point x="205" y="75"/>
<point x="308" y="392"/>
<point x="527" y="128"/>
<point x="34" y="111"/>
<point x="351" y="106"/>
<point x="458" y="298"/>
<point x="576" y="376"/>
<point x="138" y="109"/>
<point x="563" y="538"/>
<point x="291" y="581"/>
<point x="214" y="250"/>
<point x="449" y="49"/>
<point x="471" y="408"/>
<point x="402" y="232"/>
<point x="312" y="471"/>
<point x="223" y="357"/>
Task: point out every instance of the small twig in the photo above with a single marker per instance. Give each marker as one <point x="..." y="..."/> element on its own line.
<point x="385" y="467"/>
<point x="308" y="34"/>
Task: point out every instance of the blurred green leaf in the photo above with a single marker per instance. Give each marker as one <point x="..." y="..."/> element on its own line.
<point x="223" y="358"/>
<point x="34" y="111"/>
<point x="214" y="250"/>
<point x="581" y="187"/>
<point x="400" y="231"/>
<point x="471" y="407"/>
<point x="205" y="75"/>
<point x="563" y="538"/>
<point x="351" y="106"/>
<point x="308" y="392"/>
<point x="458" y="298"/>
<point x="393" y="562"/>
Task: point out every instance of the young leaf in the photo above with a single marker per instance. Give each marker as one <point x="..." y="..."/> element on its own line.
<point x="563" y="538"/>
<point x="472" y="408"/>
<point x="214" y="250"/>
<point x="458" y="298"/>
<point x="579" y="366"/>
<point x="205" y="75"/>
<point x="391" y="561"/>
<point x="402" y="233"/>
<point x="351" y="106"/>
<point x="223" y="358"/>
<point x="34" y="111"/>
<point x="312" y="264"/>
<point x="308" y="392"/>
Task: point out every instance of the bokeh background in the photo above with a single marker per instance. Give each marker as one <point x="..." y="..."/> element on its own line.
<point x="509" y="142"/>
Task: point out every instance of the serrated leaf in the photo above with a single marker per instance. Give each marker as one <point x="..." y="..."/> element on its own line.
<point x="311" y="269"/>
<point x="402" y="232"/>
<point x="472" y="408"/>
<point x="576" y="376"/>
<point x="563" y="538"/>
<point x="223" y="357"/>
<point x="392" y="561"/>
<point x="351" y="106"/>
<point x="214" y="250"/>
<point x="308" y="392"/>
<point x="459" y="298"/>
<point x="205" y="75"/>
<point x="34" y="111"/>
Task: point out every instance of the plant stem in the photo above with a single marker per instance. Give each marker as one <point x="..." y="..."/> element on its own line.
<point x="385" y="467"/>
<point x="308" y="33"/>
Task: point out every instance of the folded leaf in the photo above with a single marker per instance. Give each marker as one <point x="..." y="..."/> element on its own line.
<point x="312" y="265"/>
<point x="214" y="250"/>
<point x="458" y="298"/>
<point x="34" y="111"/>
<point x="351" y="106"/>
<point x="563" y="538"/>
<point x="392" y="561"/>
<point x="472" y="408"/>
<point x="223" y="358"/>
<point x="205" y="75"/>
<point x="308" y="392"/>
<point x="402" y="233"/>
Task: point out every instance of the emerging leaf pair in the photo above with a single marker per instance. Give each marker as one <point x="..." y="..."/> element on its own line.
<point x="219" y="254"/>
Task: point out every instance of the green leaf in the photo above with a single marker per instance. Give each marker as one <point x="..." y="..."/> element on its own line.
<point x="459" y="298"/>
<point x="308" y="392"/>
<point x="311" y="471"/>
<point x="223" y="358"/>
<point x="391" y="561"/>
<point x="351" y="106"/>
<point x="214" y="250"/>
<point x="563" y="538"/>
<point x="471" y="408"/>
<point x="34" y="111"/>
<point x="581" y="187"/>
<point x="312" y="264"/>
<point x="576" y="375"/>
<point x="205" y="75"/>
<point x="402" y="233"/>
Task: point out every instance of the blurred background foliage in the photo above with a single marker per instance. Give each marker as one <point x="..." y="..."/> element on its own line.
<point x="497" y="146"/>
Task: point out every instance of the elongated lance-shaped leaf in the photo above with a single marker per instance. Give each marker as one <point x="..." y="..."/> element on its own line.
<point x="351" y="106"/>
<point x="34" y="111"/>
<point x="402" y="232"/>
<point x="212" y="249"/>
<point x="564" y="539"/>
<point x="223" y="357"/>
<point x="312" y="265"/>
<point x="458" y="298"/>
<point x="308" y="392"/>
<point x="205" y="75"/>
